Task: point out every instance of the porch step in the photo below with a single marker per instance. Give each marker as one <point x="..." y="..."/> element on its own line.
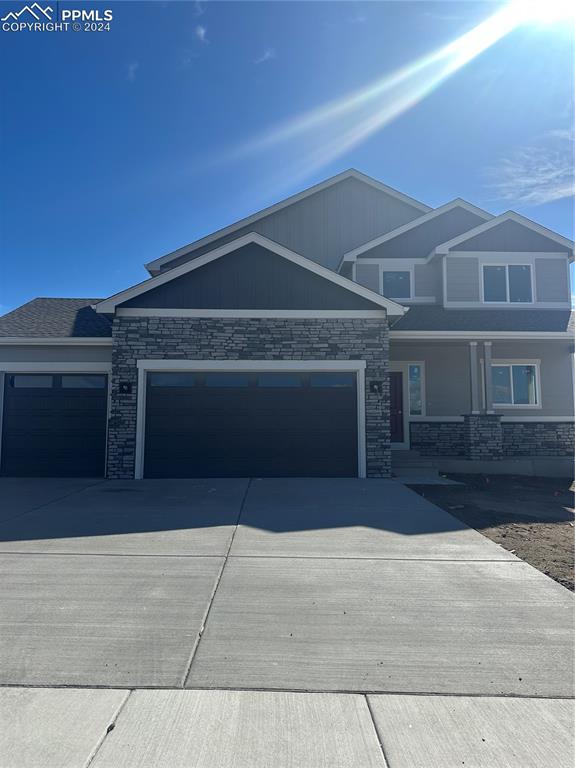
<point x="410" y="465"/>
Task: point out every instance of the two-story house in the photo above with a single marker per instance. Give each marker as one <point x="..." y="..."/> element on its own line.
<point x="313" y="338"/>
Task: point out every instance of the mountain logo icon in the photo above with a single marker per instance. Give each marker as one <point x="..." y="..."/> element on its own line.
<point x="35" y="10"/>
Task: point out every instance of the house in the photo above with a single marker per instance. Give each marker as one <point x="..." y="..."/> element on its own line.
<point x="312" y="338"/>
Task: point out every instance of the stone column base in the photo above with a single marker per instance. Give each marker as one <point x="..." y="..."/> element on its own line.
<point x="483" y="437"/>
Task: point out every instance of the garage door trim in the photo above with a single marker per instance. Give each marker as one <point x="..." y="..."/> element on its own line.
<point x="55" y="368"/>
<point x="253" y="366"/>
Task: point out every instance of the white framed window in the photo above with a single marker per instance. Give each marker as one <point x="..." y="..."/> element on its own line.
<point x="416" y="388"/>
<point x="507" y="284"/>
<point x="516" y="384"/>
<point x="396" y="283"/>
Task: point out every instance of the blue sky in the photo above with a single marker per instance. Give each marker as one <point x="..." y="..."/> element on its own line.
<point x="118" y="147"/>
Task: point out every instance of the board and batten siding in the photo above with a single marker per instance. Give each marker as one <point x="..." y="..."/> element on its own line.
<point x="551" y="280"/>
<point x="462" y="279"/>
<point x="368" y="275"/>
<point x="327" y="224"/>
<point x="428" y="280"/>
<point x="511" y="236"/>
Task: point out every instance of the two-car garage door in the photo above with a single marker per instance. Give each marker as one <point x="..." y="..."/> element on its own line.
<point x="251" y="424"/>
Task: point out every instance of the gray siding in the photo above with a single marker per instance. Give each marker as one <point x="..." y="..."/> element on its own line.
<point x="551" y="280"/>
<point x="368" y="275"/>
<point x="420" y="241"/>
<point x="462" y="279"/>
<point x="48" y="354"/>
<point x="511" y="236"/>
<point x="428" y="279"/>
<point x="326" y="225"/>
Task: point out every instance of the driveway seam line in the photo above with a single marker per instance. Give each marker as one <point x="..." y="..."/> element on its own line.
<point x="188" y="668"/>
<point x="378" y="736"/>
<point x="335" y="691"/>
<point x="108" y="730"/>
<point x="52" y="501"/>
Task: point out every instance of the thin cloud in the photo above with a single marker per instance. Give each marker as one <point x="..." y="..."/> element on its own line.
<point x="132" y="70"/>
<point x="537" y="173"/>
<point x="201" y="34"/>
<point x="267" y="55"/>
<point x="358" y="19"/>
<point x="199" y="9"/>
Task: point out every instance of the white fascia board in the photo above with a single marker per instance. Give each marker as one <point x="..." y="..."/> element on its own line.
<point x="109" y="305"/>
<point x="444" y="248"/>
<point x="251" y="365"/>
<point x="42" y="341"/>
<point x="444" y="335"/>
<point x="457" y="203"/>
<point x="156" y="264"/>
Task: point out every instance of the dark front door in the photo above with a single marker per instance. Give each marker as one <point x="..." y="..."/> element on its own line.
<point x="244" y="424"/>
<point x="54" y="425"/>
<point x="396" y="402"/>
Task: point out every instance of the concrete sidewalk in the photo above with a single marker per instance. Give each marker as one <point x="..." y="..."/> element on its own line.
<point x="289" y="622"/>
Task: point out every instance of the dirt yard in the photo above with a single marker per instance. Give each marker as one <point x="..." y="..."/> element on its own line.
<point x="533" y="517"/>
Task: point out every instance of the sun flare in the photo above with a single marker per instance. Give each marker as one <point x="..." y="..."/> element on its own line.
<point x="545" y="11"/>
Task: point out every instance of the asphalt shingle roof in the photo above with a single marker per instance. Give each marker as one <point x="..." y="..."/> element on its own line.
<point x="435" y="318"/>
<point x="56" y="318"/>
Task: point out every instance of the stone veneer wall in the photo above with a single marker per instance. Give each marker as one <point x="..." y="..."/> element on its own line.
<point x="438" y="438"/>
<point x="538" y="438"/>
<point x="179" y="338"/>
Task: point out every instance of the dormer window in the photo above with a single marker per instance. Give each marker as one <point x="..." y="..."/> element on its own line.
<point x="396" y="284"/>
<point x="507" y="283"/>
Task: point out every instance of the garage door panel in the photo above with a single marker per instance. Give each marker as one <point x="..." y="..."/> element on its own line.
<point x="54" y="431"/>
<point x="238" y="431"/>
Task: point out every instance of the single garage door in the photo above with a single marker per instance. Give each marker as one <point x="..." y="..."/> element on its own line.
<point x="244" y="425"/>
<point x="54" y="425"/>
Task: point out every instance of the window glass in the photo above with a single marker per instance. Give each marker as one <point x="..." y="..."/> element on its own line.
<point x="519" y="282"/>
<point x="279" y="380"/>
<point x="501" y="381"/>
<point x="32" y="381"/>
<point x="397" y="285"/>
<point x="494" y="284"/>
<point x="172" y="379"/>
<point x="415" y="391"/>
<point x="83" y="382"/>
<point x="331" y="380"/>
<point x="524" y="385"/>
<point x="227" y="380"/>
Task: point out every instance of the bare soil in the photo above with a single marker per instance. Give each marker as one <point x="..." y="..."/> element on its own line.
<point x="533" y="517"/>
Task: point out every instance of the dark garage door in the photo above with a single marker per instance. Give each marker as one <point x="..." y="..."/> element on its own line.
<point x="242" y="425"/>
<point x="54" y="425"/>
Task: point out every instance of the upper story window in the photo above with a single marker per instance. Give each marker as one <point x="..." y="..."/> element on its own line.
<point x="509" y="283"/>
<point x="396" y="284"/>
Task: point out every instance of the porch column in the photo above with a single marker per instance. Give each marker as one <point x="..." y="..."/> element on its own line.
<point x="474" y="377"/>
<point x="488" y="378"/>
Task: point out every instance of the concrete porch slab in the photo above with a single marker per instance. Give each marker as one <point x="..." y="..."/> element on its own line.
<point x="121" y="621"/>
<point x="43" y="728"/>
<point x="229" y="729"/>
<point x="152" y="517"/>
<point x="317" y="517"/>
<point x="475" y="732"/>
<point x="392" y="626"/>
<point x="19" y="495"/>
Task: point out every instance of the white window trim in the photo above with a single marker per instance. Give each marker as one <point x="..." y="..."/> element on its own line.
<point x="407" y="268"/>
<point x="421" y="364"/>
<point x="506" y="265"/>
<point x="402" y="366"/>
<point x="531" y="406"/>
<point x="264" y="366"/>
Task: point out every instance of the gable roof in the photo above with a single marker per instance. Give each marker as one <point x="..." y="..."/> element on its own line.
<point x="154" y="266"/>
<point x="444" y="248"/>
<point x="433" y="214"/>
<point x="109" y="305"/>
<point x="55" y="318"/>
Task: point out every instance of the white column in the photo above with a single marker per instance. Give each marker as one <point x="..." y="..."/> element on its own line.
<point x="474" y="377"/>
<point x="488" y="378"/>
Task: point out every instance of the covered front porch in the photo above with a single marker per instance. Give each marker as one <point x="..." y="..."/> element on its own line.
<point x="481" y="399"/>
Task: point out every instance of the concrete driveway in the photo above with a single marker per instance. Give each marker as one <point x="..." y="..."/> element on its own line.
<point x="294" y="622"/>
